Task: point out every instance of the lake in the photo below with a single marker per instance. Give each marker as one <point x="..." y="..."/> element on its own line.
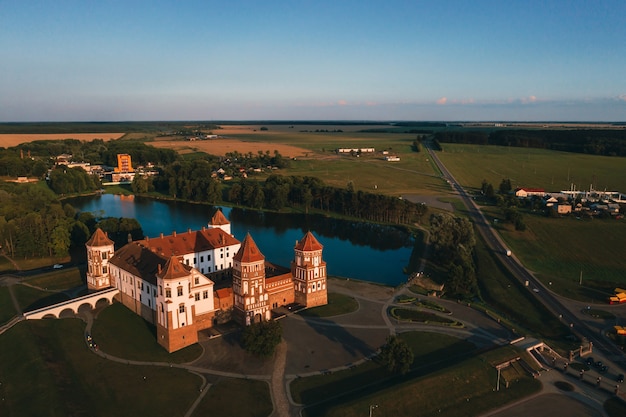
<point x="351" y="249"/>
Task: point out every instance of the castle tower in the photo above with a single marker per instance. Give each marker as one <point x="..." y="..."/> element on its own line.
<point x="175" y="306"/>
<point x="99" y="250"/>
<point x="251" y="303"/>
<point x="219" y="221"/>
<point x="309" y="272"/>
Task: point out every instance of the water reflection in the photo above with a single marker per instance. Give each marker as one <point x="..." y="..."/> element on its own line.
<point x="351" y="249"/>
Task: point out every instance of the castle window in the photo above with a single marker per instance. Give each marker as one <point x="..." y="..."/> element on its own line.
<point x="168" y="292"/>
<point x="222" y="255"/>
<point x="196" y="280"/>
<point x="179" y="291"/>
<point x="197" y="296"/>
<point x="160" y="290"/>
<point x="187" y="261"/>
<point x="104" y="255"/>
<point x="209" y="258"/>
<point x="209" y="269"/>
<point x="202" y="259"/>
<point x="181" y="308"/>
<point x="205" y="295"/>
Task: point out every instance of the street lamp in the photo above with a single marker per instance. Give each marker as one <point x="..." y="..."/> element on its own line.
<point x="372" y="407"/>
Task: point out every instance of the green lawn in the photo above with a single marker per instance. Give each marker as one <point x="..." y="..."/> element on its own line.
<point x="452" y="384"/>
<point x="337" y="304"/>
<point x="513" y="301"/>
<point x="32" y="298"/>
<point x="226" y="398"/>
<point x="136" y="339"/>
<point x="59" y="279"/>
<point x="7" y="310"/>
<point x="51" y="372"/>
<point x="5" y="264"/>
<point x="405" y="314"/>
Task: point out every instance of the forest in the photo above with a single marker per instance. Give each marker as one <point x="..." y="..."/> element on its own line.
<point x="606" y="142"/>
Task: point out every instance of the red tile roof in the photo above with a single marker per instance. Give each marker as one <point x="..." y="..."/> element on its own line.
<point x="308" y="243"/>
<point x="174" y="269"/>
<point x="190" y="242"/>
<point x="249" y="252"/>
<point x="219" y="219"/>
<point x="139" y="261"/>
<point x="99" y="238"/>
<point x="224" y="293"/>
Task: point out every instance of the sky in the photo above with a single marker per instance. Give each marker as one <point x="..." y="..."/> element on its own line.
<point x="440" y="60"/>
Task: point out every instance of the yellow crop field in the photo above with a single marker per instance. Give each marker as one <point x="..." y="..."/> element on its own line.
<point x="8" y="140"/>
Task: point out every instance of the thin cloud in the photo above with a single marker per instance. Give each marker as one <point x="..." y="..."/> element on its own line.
<point x="442" y="101"/>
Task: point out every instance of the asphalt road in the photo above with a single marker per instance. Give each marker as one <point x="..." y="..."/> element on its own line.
<point x="570" y="318"/>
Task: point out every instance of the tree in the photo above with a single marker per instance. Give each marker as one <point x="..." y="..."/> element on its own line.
<point x="505" y="186"/>
<point x="396" y="355"/>
<point x="262" y="338"/>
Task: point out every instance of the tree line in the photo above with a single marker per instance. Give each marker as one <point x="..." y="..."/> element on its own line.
<point x="34" y="223"/>
<point x="606" y="142"/>
<point x="192" y="181"/>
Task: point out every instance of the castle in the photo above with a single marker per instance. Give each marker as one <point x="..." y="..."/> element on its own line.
<point x="187" y="282"/>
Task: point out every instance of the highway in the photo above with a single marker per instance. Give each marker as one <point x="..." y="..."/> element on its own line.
<point x="537" y="289"/>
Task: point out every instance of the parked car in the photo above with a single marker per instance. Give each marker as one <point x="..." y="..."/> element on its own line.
<point x="620" y="378"/>
<point x="599" y="364"/>
<point x="57" y="266"/>
<point x="589" y="361"/>
<point x="604" y="369"/>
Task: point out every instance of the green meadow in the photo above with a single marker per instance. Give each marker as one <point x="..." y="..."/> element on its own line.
<point x="533" y="168"/>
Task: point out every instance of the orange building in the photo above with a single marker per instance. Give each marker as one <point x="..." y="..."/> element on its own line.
<point x="124" y="163"/>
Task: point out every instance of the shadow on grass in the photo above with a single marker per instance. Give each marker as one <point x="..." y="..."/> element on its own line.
<point x="381" y="380"/>
<point x="47" y="301"/>
<point x="338" y="334"/>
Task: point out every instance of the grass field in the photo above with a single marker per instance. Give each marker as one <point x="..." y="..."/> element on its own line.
<point x="534" y="168"/>
<point x="53" y="373"/>
<point x="31" y="298"/>
<point x="58" y="280"/>
<point x="460" y="386"/>
<point x="7" y="310"/>
<point x="337" y="304"/>
<point x="559" y="249"/>
<point x="556" y="249"/>
<point x="225" y="398"/>
<point x="136" y="339"/>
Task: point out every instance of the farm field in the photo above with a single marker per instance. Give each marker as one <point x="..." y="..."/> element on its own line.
<point x="534" y="168"/>
<point x="556" y="249"/>
<point x="8" y="140"/>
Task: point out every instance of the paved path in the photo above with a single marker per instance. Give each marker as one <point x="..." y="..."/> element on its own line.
<point x="279" y="388"/>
